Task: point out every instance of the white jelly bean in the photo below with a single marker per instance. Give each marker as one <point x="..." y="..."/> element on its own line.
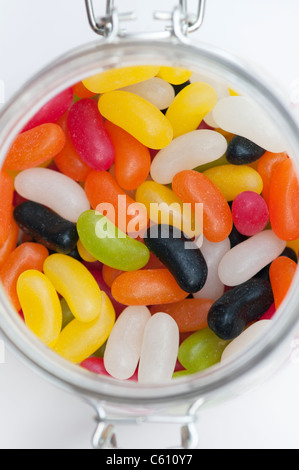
<point x="246" y="339"/>
<point x="213" y="254"/>
<point x="159" y="350"/>
<point x="54" y="190"/>
<point x="155" y="90"/>
<point x="186" y="153"/>
<point x="242" y="116"/>
<point x="245" y="260"/>
<point x="123" y="347"/>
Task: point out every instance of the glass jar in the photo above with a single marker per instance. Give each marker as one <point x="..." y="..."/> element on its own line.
<point x="180" y="401"/>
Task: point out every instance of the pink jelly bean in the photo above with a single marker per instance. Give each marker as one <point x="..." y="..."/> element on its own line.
<point x="96" y="365"/>
<point x="250" y="213"/>
<point x="89" y="136"/>
<point x="53" y="110"/>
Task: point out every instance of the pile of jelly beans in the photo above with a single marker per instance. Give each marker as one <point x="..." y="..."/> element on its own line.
<point x="135" y="303"/>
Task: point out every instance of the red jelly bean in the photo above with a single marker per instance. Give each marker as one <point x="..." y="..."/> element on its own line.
<point x="89" y="136"/>
<point x="250" y="213"/>
<point x="95" y="365"/>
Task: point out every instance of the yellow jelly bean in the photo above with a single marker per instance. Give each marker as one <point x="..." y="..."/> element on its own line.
<point x="41" y="306"/>
<point x="85" y="255"/>
<point x="114" y="79"/>
<point x="138" y="117"/>
<point x="164" y="207"/>
<point x="294" y="244"/>
<point x="233" y="180"/>
<point x="80" y="340"/>
<point x="174" y="75"/>
<point x="190" y="106"/>
<point x="76" y="285"/>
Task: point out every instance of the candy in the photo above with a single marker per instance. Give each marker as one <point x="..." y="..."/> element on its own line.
<point x="138" y="117"/>
<point x="110" y="274"/>
<point x="84" y="254"/>
<point x="67" y="315"/>
<point x="265" y="272"/>
<point x="193" y="187"/>
<point x="79" y="340"/>
<point x="53" y="190"/>
<point x="282" y="272"/>
<point x="76" y="285"/>
<point x="6" y="208"/>
<point x="155" y="90"/>
<point x="186" y="153"/>
<point x="40" y="305"/>
<point x="24" y="257"/>
<point x="174" y="75"/>
<point x="89" y="136"/>
<point x="232" y="180"/>
<point x="10" y="243"/>
<point x="124" y="344"/>
<point x="236" y="237"/>
<point x="266" y="167"/>
<point x="239" y="307"/>
<point x="180" y="255"/>
<point x="159" y="350"/>
<point x="241" y="151"/>
<point x="190" y="106"/>
<point x="80" y="91"/>
<point x="147" y="287"/>
<point x="34" y="147"/>
<point x="109" y="245"/>
<point x="250" y="213"/>
<point x="220" y="161"/>
<point x="249" y="257"/>
<point x="95" y="365"/>
<point x="46" y="227"/>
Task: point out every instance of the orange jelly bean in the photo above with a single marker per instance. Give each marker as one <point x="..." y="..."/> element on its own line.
<point x="132" y="158"/>
<point x="194" y="187"/>
<point x="10" y="243"/>
<point x="147" y="287"/>
<point x="81" y="91"/>
<point x="24" y="257"/>
<point x="110" y="274"/>
<point x="284" y="201"/>
<point x="282" y="272"/>
<point x="265" y="167"/>
<point x="34" y="147"/>
<point x="190" y="314"/>
<point x="6" y="208"/>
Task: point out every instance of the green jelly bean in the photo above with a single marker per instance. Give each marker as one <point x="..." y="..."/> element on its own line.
<point x="181" y="373"/>
<point x="67" y="315"/>
<point x="100" y="352"/>
<point x="221" y="161"/>
<point x="201" y="350"/>
<point x="109" y="245"/>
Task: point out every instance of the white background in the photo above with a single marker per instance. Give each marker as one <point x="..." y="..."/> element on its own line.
<point x="33" y="413"/>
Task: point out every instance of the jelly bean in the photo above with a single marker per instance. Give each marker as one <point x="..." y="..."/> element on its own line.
<point x="233" y="180"/>
<point x="24" y="257"/>
<point x="40" y="305"/>
<point x="6" y="209"/>
<point x="147" y="287"/>
<point x="81" y="91"/>
<point x="190" y="106"/>
<point x="282" y="272"/>
<point x="67" y="315"/>
<point x="164" y="207"/>
<point x="53" y="190"/>
<point x="265" y="272"/>
<point x="239" y="307"/>
<point x="84" y="253"/>
<point x="109" y="245"/>
<point x="89" y="136"/>
<point x="241" y="151"/>
<point x="159" y="350"/>
<point x="239" y="345"/>
<point x="76" y="285"/>
<point x="180" y="255"/>
<point x="95" y="365"/>
<point x="114" y="79"/>
<point x="110" y="274"/>
<point x="34" y="147"/>
<point x="249" y="257"/>
<point x="240" y="115"/>
<point x="284" y="201"/>
<point x="250" y="213"/>
<point x="221" y="161"/>
<point x="155" y="90"/>
<point x="193" y="187"/>
<point x="53" y="110"/>
<point x="124" y="344"/>
<point x="186" y="153"/>
<point x="201" y="350"/>
<point x="189" y="314"/>
<point x="220" y="87"/>
<point x="46" y="227"/>
<point x="68" y="160"/>
<point x="265" y="168"/>
<point x="269" y="314"/>
<point x="174" y="75"/>
<point x="290" y="253"/>
<point x="79" y="340"/>
<point x="213" y="254"/>
<point x="236" y="237"/>
<point x="10" y="243"/>
<point x="138" y="117"/>
<point x="132" y="159"/>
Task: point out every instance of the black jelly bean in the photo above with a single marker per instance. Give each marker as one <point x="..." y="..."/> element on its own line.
<point x="179" y="88"/>
<point x="46" y="227"/>
<point x="236" y="237"/>
<point x="179" y="255"/>
<point x="241" y="151"/>
<point x="239" y="307"/>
